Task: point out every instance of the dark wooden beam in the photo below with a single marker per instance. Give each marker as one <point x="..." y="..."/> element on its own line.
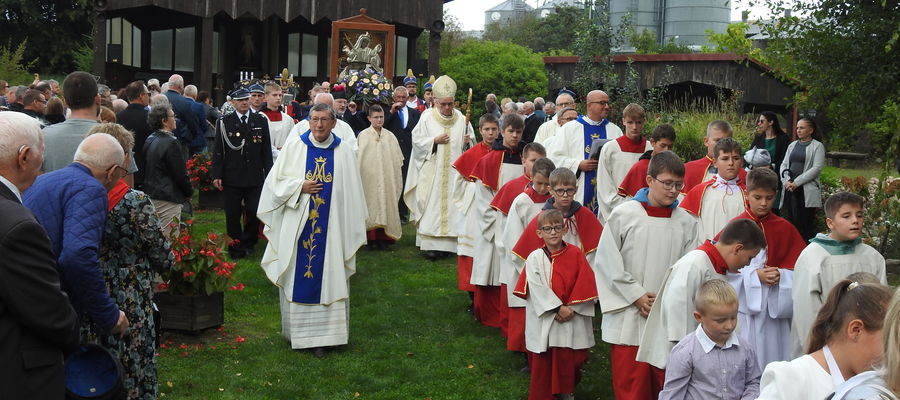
<point x="203" y="64"/>
<point x="99" y="45"/>
<point x="434" y="54"/>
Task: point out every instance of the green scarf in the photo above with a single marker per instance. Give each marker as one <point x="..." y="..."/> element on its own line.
<point x="835" y="247"/>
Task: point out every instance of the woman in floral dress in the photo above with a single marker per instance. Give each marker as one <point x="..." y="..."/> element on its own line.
<point x="132" y="250"/>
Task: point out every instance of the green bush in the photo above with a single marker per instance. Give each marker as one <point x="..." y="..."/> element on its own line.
<point x="12" y="66"/>
<point x="690" y="123"/>
<point x="495" y="67"/>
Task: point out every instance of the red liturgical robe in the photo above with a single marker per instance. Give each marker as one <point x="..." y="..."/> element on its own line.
<point x="783" y="241"/>
<point x="589" y="230"/>
<point x="504" y="198"/>
<point x="466" y="162"/>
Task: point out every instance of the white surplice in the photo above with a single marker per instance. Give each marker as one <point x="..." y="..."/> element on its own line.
<point x="279" y="130"/>
<point x="635" y="252"/>
<point x="764" y="311"/>
<point x="546" y="131"/>
<point x="612" y="167"/>
<point x="284" y="210"/>
<point x="672" y="315"/>
<point x="801" y="378"/>
<point x="521" y="212"/>
<point x="815" y="273"/>
<point x="380" y="163"/>
<point x="722" y="202"/>
<point x="430" y="180"/>
<point x="566" y="150"/>
<point x="486" y="261"/>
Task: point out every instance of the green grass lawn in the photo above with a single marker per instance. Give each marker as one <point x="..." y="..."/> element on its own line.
<point x="410" y="338"/>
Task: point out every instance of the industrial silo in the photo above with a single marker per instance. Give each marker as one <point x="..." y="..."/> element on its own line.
<point x="688" y="20"/>
<point x="644" y="14"/>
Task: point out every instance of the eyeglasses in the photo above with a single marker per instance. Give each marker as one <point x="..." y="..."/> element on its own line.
<point x="565" y="192"/>
<point x="317" y="120"/>
<point x="124" y="170"/>
<point x="669" y="185"/>
<point x="760" y="121"/>
<point x="552" y="228"/>
<point x="602" y="103"/>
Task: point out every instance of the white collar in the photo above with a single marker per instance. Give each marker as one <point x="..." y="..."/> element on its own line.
<point x="11" y="187"/>
<point x="721" y="181"/>
<point x="321" y="145"/>
<point x="247" y="114"/>
<point x="590" y="121"/>
<point x="708" y="344"/>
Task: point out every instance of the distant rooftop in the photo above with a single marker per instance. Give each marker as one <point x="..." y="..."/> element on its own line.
<point x="512" y="5"/>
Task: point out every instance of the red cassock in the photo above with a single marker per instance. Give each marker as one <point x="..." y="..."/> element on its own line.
<point x="695" y="171"/>
<point x="507" y="194"/>
<point x="589" y="230"/>
<point x="557" y="370"/>
<point x="783" y="241"/>
<point x="465" y="164"/>
<point x="487" y="170"/>
<point x="636" y="178"/>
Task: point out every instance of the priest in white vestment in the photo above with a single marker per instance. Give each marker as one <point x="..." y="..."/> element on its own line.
<point x="571" y="146"/>
<point x="313" y="208"/>
<point x="438" y="140"/>
<point x="565" y="101"/>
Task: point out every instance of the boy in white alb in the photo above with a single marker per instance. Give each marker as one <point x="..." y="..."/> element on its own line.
<point x="764" y="286"/>
<point x="628" y="275"/>
<point x="280" y="123"/>
<point x="719" y="200"/>
<point x="672" y="315"/>
<point x="829" y="259"/>
<point x="559" y="287"/>
<point x="524" y="208"/>
<point x="617" y="157"/>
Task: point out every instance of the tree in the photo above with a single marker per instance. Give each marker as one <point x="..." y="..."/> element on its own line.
<point x="646" y="43"/>
<point x="552" y="33"/>
<point x="496" y="67"/>
<point x="733" y="40"/>
<point x="55" y="29"/>
<point x="12" y="67"/>
<point x="844" y="54"/>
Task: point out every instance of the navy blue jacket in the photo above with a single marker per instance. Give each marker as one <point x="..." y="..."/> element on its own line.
<point x="188" y="127"/>
<point x="71" y="205"/>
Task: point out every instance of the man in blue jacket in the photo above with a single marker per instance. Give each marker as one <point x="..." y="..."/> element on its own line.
<point x="188" y="127"/>
<point x="71" y="204"/>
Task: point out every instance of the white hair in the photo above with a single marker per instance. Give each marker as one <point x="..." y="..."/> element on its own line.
<point x="16" y="130"/>
<point x="119" y="105"/>
<point x="190" y="91"/>
<point x="511" y="106"/>
<point x="562" y="97"/>
<point x="158" y="99"/>
<point x="100" y="150"/>
<point x="176" y="81"/>
<point x="323" y="98"/>
<point x="164" y="88"/>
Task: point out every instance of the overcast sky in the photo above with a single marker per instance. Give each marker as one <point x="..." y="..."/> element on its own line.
<point x="471" y="12"/>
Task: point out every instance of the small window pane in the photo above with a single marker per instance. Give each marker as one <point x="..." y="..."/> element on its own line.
<point x="310" y="61"/>
<point x="126" y="43"/>
<point x="215" y="52"/>
<point x="294" y="53"/>
<point x="108" y="31"/>
<point x="137" y="59"/>
<point x="184" y="49"/>
<point x="402" y="53"/>
<point x="161" y="50"/>
<point x="116" y="34"/>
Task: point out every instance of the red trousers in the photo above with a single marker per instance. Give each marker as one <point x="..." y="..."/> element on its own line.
<point x="555" y="371"/>
<point x="378" y="234"/>
<point x="487" y="305"/>
<point x="464" y="273"/>
<point x="516" y="339"/>
<point x="632" y="379"/>
<point x="504" y="311"/>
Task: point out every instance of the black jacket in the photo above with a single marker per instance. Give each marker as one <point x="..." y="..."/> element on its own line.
<point x="165" y="172"/>
<point x="134" y="118"/>
<point x="248" y="166"/>
<point x="532" y="124"/>
<point x="404" y="136"/>
<point x="781" y="145"/>
<point x="357" y="122"/>
<point x="37" y="323"/>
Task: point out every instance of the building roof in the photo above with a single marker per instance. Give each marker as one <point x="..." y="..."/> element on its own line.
<point x="511" y="5"/>
<point x="562" y="3"/>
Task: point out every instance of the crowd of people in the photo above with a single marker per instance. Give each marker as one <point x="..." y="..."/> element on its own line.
<point x="710" y="277"/>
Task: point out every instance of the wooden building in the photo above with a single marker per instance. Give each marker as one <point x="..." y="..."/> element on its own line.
<point x="693" y="76"/>
<point x="212" y="42"/>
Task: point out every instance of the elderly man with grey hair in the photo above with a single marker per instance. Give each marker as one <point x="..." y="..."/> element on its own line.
<point x="342" y="129"/>
<point x="510" y="108"/>
<point x="36" y="317"/>
<point x="188" y="123"/>
<point x="314" y="196"/>
<point x="71" y="204"/>
<point x="548" y="129"/>
<point x="539" y="108"/>
<point x="532" y="122"/>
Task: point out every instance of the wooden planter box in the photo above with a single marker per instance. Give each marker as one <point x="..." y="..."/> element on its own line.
<point x="190" y="313"/>
<point x="211" y="199"/>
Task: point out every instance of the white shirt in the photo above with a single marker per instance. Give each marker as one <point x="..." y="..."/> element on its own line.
<point x="708" y="344"/>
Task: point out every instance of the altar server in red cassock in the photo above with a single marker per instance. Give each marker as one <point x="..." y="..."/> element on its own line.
<point x="629" y="273"/>
<point x="617" y="157"/>
<point x="662" y="139"/>
<point x="703" y="169"/>
<point x="721" y="199"/>
<point x="464" y="196"/>
<point x="558" y="285"/>
<point x="764" y="286"/>
<point x="495" y="169"/>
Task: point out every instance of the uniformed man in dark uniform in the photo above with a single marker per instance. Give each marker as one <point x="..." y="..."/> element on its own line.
<point x="242" y="158"/>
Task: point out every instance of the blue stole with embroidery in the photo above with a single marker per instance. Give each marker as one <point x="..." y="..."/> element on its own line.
<point x="310" y="263"/>
<point x="591" y="132"/>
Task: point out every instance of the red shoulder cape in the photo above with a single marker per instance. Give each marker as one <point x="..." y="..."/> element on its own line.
<point x="694" y="198"/>
<point x="466" y="162"/>
<point x="507" y="194"/>
<point x="715" y="257"/>
<point x="628" y="146"/>
<point x="695" y="171"/>
<point x="783" y="241"/>
<point x="572" y="281"/>
<point x="487" y="170"/>
<point x="635" y="179"/>
<point x="589" y="230"/>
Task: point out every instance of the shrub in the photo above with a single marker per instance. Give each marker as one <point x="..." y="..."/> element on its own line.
<point x="495" y="67"/>
<point x="690" y="123"/>
<point x="12" y="66"/>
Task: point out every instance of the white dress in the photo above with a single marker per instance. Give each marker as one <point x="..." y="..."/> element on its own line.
<point x="799" y="379"/>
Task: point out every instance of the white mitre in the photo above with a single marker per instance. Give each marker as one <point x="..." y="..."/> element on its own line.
<point x="444" y="87"/>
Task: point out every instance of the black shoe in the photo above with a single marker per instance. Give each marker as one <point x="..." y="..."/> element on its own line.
<point x="320" y="352"/>
<point x="236" y="252"/>
<point x="432" y="255"/>
<point x="384" y="245"/>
